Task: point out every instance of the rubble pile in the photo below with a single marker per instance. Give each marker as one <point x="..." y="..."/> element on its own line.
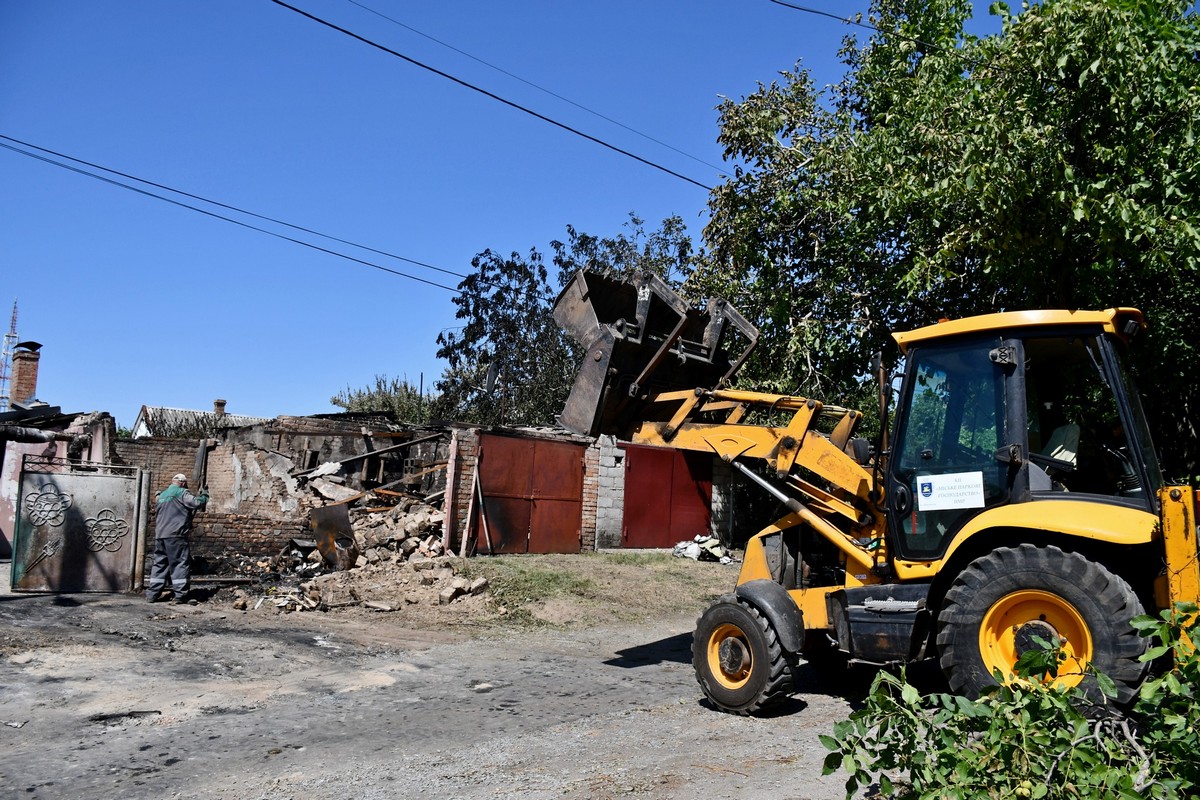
<point x="703" y="548"/>
<point x="408" y="529"/>
<point x="398" y="561"/>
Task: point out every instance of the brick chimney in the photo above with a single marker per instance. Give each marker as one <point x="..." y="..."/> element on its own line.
<point x="25" y="357"/>
<point x="219" y="407"/>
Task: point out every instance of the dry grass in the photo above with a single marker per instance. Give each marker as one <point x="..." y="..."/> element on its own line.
<point x="589" y="589"/>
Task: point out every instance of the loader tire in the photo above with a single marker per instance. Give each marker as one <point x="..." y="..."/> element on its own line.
<point x="739" y="662"/>
<point x="1001" y="601"/>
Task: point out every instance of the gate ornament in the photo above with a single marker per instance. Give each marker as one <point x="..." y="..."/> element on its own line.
<point x="49" y="550"/>
<point x="105" y="531"/>
<point x="47" y="507"/>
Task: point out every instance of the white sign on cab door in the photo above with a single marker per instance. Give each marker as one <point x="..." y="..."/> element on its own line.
<point x="951" y="491"/>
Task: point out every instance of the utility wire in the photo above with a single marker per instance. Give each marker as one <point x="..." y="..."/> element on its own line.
<point x="492" y="95"/>
<point x="929" y="48"/>
<point x="528" y="292"/>
<point x="215" y="215"/>
<point x="720" y="170"/>
<point x="232" y="208"/>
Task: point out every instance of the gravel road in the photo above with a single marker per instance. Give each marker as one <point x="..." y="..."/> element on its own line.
<point x="106" y="696"/>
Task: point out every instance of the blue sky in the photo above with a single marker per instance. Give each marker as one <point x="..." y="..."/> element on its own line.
<point x="242" y="101"/>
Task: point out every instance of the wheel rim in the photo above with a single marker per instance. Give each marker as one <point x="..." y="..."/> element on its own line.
<point x="1008" y="628"/>
<point x="730" y="660"/>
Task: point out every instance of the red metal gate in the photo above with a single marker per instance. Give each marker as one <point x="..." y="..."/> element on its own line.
<point x="532" y="495"/>
<point x="668" y="496"/>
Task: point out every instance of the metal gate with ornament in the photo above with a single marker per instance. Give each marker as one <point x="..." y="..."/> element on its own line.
<point x="79" y="526"/>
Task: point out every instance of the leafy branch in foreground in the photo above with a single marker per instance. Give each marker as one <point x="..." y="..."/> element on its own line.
<point x="1031" y="737"/>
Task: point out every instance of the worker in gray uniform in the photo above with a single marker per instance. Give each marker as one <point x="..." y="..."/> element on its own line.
<point x="170" y="569"/>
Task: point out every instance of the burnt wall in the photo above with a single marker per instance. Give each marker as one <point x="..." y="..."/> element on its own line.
<point x="255" y="507"/>
<point x="258" y="499"/>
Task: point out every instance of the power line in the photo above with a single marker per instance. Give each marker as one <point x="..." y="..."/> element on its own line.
<point x="228" y="207"/>
<point x="720" y="171"/>
<point x="827" y="14"/>
<point x="215" y="215"/>
<point x="857" y="22"/>
<point x="492" y="95"/>
<point x="529" y="292"/>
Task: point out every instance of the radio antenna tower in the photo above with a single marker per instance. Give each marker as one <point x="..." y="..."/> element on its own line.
<point x="10" y="343"/>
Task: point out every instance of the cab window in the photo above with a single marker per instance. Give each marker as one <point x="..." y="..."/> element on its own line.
<point x="946" y="461"/>
<point x="1077" y="439"/>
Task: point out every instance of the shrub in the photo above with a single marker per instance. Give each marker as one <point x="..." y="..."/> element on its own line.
<point x="1029" y="738"/>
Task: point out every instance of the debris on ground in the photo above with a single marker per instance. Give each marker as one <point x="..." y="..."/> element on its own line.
<point x="703" y="548"/>
<point x="399" y="561"/>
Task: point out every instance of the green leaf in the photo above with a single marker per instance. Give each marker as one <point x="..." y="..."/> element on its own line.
<point x="1155" y="652"/>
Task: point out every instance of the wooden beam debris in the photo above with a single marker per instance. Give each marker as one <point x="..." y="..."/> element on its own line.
<point x="361" y="456"/>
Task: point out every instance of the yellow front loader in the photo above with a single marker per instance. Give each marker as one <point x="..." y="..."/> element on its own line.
<point x="1013" y="495"/>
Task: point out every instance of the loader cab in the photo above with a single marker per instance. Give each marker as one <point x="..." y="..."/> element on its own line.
<point x="1009" y="408"/>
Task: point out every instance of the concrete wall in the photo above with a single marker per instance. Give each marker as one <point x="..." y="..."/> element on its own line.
<point x="722" y="526"/>
<point x="610" y="505"/>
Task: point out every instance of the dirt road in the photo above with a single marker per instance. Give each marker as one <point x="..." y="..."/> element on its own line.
<point x="111" y="697"/>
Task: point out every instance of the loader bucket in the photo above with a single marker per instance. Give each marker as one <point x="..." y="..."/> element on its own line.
<point x="641" y="339"/>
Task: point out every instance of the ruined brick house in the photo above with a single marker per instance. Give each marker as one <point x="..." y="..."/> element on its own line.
<point x="265" y="477"/>
<point x="502" y="490"/>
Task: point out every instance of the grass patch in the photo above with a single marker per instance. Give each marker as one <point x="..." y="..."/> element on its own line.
<point x="516" y="582"/>
<point x="575" y="590"/>
<point x="637" y="559"/>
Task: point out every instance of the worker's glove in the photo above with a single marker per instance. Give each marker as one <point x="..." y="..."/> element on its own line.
<point x="203" y="496"/>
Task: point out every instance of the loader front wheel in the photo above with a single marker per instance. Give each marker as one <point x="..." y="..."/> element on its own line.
<point x="739" y="662"/>
<point x="1002" y="603"/>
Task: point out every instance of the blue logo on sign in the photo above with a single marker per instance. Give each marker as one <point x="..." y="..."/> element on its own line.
<point x="927" y="489"/>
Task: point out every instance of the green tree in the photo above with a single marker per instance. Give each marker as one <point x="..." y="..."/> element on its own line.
<point x="394" y="396"/>
<point x="1054" y="163"/>
<point x="667" y="252"/>
<point x="510" y="363"/>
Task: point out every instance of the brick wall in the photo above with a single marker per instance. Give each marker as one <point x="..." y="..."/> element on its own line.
<point x="460" y="477"/>
<point x="591" y="498"/>
<point x="162" y="458"/>
<point x="255" y="507"/>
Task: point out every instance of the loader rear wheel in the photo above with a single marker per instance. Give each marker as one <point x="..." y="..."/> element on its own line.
<point x="738" y="660"/>
<point x="1002" y="601"/>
